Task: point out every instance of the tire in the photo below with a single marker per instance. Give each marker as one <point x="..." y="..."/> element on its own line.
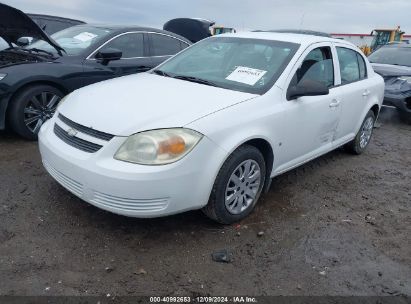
<point x="363" y="137"/>
<point x="31" y="107"/>
<point x="241" y="203"/>
<point x="405" y="117"/>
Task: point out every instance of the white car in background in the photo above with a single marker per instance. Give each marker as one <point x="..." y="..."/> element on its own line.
<point x="210" y="127"/>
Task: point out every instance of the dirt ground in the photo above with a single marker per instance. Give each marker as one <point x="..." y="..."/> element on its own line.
<point x="339" y="225"/>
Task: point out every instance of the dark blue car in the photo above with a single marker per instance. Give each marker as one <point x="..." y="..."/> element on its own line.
<point x="393" y="63"/>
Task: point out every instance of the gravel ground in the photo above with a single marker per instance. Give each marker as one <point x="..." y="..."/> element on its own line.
<point x="339" y="225"/>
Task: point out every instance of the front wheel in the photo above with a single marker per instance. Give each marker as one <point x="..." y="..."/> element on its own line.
<point x="363" y="137"/>
<point x="238" y="186"/>
<point x="31" y="107"/>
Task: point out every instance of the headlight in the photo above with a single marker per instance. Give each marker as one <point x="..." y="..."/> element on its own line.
<point x="405" y="78"/>
<point x="158" y="147"/>
<point x="2" y="76"/>
<point x="61" y="101"/>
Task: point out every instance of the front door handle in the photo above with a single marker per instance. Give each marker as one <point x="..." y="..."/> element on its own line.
<point x="335" y="103"/>
<point x="366" y="93"/>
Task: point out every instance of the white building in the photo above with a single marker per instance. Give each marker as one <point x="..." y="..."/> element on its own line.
<point x="359" y="39"/>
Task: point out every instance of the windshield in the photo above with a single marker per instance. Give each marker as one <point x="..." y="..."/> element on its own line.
<point x="392" y="55"/>
<point x="73" y="40"/>
<point x="247" y="65"/>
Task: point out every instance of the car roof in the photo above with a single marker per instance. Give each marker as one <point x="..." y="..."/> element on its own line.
<point x="117" y="29"/>
<point x="302" y="39"/>
<point x="305" y="32"/>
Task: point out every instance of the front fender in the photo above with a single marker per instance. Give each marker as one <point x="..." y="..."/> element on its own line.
<point x="229" y="134"/>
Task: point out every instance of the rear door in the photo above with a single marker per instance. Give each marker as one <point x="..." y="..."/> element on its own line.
<point x="163" y="46"/>
<point x="355" y="89"/>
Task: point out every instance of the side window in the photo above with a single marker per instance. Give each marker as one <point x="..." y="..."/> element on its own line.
<point x="183" y="45"/>
<point x="164" y="45"/>
<point x="362" y="66"/>
<point x="317" y="66"/>
<point x="132" y="45"/>
<point x="350" y="65"/>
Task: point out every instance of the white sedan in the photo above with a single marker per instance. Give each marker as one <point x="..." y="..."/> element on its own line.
<point x="211" y="127"/>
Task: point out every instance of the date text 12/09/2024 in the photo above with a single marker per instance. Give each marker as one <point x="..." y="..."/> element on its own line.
<point x="203" y="299"/>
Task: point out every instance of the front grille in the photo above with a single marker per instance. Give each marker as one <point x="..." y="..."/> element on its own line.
<point x="65" y="181"/>
<point x="129" y="204"/>
<point x="76" y="142"/>
<point x="86" y="130"/>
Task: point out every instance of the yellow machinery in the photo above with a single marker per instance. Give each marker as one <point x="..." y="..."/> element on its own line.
<point x="383" y="37"/>
<point x="217" y="30"/>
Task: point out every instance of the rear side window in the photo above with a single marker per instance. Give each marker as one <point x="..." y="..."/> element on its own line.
<point x="362" y="66"/>
<point x="164" y="45"/>
<point x="352" y="65"/>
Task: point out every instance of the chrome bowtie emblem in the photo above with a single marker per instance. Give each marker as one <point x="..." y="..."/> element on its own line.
<point x="72" y="132"/>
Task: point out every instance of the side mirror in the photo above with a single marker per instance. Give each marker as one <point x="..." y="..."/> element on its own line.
<point x="23" y="41"/>
<point x="109" y="54"/>
<point x="307" y="88"/>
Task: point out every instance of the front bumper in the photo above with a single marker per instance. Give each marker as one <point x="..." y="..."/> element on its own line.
<point x="4" y="101"/>
<point x="130" y="189"/>
<point x="400" y="101"/>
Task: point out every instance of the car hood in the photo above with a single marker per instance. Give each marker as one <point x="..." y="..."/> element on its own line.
<point x="389" y="70"/>
<point x="130" y="104"/>
<point x="391" y="74"/>
<point x="15" y="24"/>
<point x="11" y="57"/>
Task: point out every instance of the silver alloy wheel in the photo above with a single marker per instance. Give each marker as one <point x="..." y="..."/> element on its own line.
<point x="366" y="132"/>
<point x="242" y="187"/>
<point x="40" y="108"/>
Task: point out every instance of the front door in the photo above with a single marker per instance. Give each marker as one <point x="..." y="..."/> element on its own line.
<point x="310" y="122"/>
<point x="134" y="58"/>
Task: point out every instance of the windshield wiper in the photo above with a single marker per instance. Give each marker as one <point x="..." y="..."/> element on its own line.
<point x="34" y="50"/>
<point x="188" y="78"/>
<point x="196" y="80"/>
<point x="40" y="51"/>
<point x="162" y="73"/>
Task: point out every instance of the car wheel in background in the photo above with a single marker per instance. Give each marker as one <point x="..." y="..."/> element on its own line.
<point x="238" y="186"/>
<point x="363" y="137"/>
<point x="31" y="107"/>
<point x="405" y="117"/>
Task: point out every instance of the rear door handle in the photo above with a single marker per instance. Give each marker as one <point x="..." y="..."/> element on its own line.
<point x="366" y="93"/>
<point x="335" y="103"/>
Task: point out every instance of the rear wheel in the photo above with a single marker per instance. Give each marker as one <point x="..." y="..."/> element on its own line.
<point x="31" y="107"/>
<point x="238" y="186"/>
<point x="363" y="137"/>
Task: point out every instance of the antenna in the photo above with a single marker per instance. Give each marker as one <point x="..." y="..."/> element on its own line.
<point x="302" y="20"/>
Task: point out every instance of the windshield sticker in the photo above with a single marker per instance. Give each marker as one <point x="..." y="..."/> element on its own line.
<point x="246" y="75"/>
<point x="85" y="36"/>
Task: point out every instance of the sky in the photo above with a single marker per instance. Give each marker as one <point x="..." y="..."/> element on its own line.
<point x="332" y="16"/>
